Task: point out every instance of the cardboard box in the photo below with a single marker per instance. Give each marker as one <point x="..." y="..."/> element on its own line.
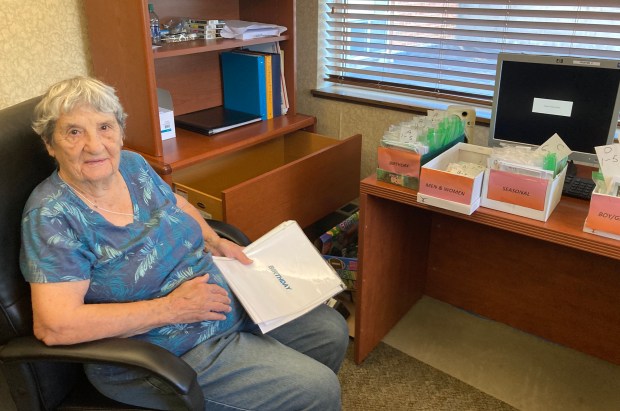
<point x="522" y="195"/>
<point x="166" y="114"/>
<point x="402" y="167"/>
<point x="604" y="216"/>
<point x="453" y="192"/>
<point x="166" y="123"/>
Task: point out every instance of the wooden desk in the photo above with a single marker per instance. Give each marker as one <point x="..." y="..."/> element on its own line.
<point x="546" y="278"/>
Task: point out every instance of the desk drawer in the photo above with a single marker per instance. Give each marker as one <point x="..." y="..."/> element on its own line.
<point x="300" y="176"/>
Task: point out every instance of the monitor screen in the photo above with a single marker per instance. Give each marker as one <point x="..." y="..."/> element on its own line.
<point x="537" y="96"/>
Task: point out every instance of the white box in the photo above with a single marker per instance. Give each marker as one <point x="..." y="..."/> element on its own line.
<point x="166" y="114"/>
<point x="522" y="195"/>
<point x="453" y="192"/>
<point x="166" y="123"/>
<point x="604" y="216"/>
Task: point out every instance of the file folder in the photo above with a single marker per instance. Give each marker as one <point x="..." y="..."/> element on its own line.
<point x="288" y="277"/>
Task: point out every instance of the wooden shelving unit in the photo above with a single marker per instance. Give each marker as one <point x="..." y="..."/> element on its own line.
<point x="304" y="177"/>
<point x="122" y="56"/>
<point x="207" y="46"/>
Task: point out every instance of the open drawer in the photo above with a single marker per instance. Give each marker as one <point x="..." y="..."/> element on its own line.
<point x="300" y="176"/>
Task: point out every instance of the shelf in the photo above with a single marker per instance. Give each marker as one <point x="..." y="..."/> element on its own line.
<point x="190" y="71"/>
<point x="190" y="148"/>
<point x="205" y="46"/>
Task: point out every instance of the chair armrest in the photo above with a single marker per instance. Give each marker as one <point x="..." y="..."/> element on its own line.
<point x="119" y="351"/>
<point x="229" y="232"/>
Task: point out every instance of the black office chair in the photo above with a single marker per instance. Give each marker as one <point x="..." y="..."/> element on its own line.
<point x="51" y="378"/>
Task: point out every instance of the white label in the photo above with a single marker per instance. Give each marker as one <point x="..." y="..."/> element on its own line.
<point x="553" y="107"/>
<point x="586" y="63"/>
<point x="556" y="145"/>
<point x="609" y="159"/>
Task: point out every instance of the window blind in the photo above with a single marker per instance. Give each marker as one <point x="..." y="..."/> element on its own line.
<point x="449" y="48"/>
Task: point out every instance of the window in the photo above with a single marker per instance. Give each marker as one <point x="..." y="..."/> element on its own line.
<point x="448" y="49"/>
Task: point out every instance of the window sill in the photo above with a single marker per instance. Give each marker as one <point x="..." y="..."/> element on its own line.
<point x="395" y="101"/>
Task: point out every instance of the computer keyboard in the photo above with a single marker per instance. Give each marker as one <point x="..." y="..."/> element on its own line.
<point x="578" y="187"/>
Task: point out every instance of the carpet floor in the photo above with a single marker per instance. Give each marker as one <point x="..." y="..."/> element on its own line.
<point x="391" y="380"/>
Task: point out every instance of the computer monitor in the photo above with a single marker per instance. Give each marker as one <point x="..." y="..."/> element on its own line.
<point x="537" y="96"/>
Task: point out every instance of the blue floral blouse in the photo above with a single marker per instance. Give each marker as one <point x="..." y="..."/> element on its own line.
<point x="64" y="240"/>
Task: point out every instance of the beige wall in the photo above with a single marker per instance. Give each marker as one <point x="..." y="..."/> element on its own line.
<point x="41" y="42"/>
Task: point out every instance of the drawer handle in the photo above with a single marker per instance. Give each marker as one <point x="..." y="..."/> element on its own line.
<point x="201" y="205"/>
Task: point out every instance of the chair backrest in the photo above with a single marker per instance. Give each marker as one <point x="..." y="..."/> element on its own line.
<point x="24" y="162"/>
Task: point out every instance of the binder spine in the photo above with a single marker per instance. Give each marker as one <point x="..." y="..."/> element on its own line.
<point x="268" y="86"/>
<point x="262" y="88"/>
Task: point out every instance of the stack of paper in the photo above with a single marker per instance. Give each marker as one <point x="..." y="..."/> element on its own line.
<point x="244" y="30"/>
<point x="288" y="277"/>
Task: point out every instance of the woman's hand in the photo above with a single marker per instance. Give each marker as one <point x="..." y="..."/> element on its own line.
<point x="62" y="317"/>
<point x="226" y="248"/>
<point x="197" y="300"/>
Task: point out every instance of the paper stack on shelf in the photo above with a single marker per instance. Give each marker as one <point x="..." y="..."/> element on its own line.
<point x="288" y="277"/>
<point x="245" y="30"/>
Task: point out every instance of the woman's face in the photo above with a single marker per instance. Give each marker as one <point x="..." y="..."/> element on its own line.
<point x="87" y="146"/>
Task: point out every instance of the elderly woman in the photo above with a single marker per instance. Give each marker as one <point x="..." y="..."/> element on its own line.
<point x="111" y="251"/>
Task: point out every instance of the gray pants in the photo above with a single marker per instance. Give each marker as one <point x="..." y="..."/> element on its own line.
<point x="291" y="368"/>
